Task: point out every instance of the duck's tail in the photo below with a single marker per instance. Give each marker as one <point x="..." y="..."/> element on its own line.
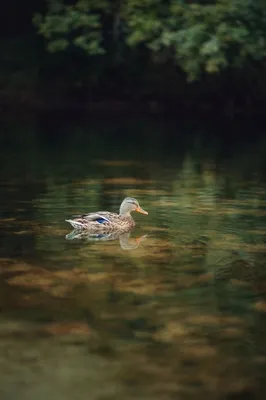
<point x="75" y="224"/>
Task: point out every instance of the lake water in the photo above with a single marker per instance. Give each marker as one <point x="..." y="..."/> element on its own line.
<point x="176" y="309"/>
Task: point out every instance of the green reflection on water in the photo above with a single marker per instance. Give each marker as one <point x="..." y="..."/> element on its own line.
<point x="176" y="307"/>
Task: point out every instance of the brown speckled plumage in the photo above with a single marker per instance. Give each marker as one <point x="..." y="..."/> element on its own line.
<point x="105" y="222"/>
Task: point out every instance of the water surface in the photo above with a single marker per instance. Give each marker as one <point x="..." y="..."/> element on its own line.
<point x="177" y="308"/>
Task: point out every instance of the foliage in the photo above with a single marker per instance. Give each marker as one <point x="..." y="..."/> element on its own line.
<point x="199" y="37"/>
<point x="77" y="24"/>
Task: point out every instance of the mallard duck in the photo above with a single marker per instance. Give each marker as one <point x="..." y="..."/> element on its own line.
<point x="104" y="221"/>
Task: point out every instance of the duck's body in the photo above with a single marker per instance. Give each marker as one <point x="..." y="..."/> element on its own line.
<point x="104" y="221"/>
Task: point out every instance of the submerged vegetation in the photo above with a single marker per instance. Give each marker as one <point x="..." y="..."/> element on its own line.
<point x="183" y="52"/>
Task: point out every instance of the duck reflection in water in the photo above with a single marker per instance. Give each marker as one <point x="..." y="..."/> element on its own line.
<point x="126" y="242"/>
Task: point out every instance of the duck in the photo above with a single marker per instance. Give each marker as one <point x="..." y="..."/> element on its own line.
<point x="105" y="222"/>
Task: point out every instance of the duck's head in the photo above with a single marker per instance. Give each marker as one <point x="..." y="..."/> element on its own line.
<point x="130" y="204"/>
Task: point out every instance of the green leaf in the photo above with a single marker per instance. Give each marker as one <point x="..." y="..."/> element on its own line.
<point x="57" y="45"/>
<point x="210" y="47"/>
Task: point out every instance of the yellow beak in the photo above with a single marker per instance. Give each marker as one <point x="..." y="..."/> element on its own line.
<point x="140" y="210"/>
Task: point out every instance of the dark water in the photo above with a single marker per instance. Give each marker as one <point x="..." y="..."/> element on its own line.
<point x="174" y="311"/>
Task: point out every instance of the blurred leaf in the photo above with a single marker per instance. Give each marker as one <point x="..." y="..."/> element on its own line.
<point x="210" y="47"/>
<point x="58" y="45"/>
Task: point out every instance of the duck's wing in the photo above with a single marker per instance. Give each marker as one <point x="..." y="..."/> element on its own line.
<point x="99" y="217"/>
